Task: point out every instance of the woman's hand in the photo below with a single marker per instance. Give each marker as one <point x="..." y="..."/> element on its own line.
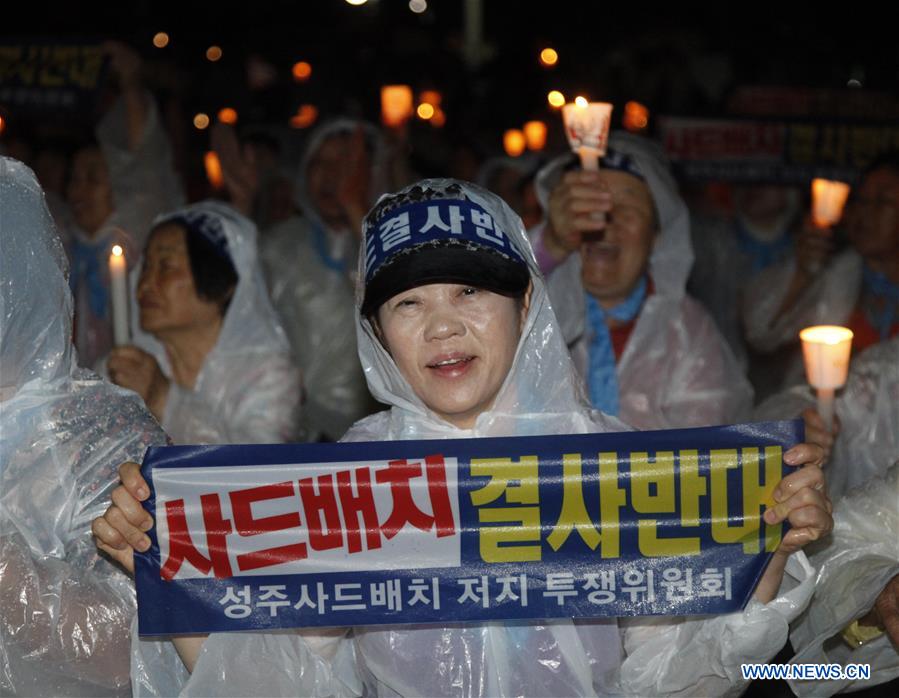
<point x="578" y="204"/>
<point x="885" y="614"/>
<point x="137" y="370"/>
<point x="814" y="248"/>
<point x="122" y="529"/>
<point x="800" y="498"/>
<point x="240" y="171"/>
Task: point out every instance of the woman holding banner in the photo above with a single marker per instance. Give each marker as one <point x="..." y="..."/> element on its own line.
<point x="456" y="333"/>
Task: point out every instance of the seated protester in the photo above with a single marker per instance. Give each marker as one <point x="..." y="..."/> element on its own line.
<point x="648" y="352"/>
<point x="867" y="410"/>
<point x="65" y="611"/>
<point x="456" y="333"/>
<point x="115" y="189"/>
<point x="208" y="356"/>
<point x="309" y="263"/>
<point x="854" y="614"/>
<point x="857" y="287"/>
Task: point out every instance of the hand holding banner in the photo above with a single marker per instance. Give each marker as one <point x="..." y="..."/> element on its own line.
<point x="637" y="523"/>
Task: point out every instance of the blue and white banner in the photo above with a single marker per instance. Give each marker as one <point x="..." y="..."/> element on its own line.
<point x="625" y="524"/>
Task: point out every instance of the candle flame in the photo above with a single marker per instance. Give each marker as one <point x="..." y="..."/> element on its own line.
<point x="828" y="199"/>
<point x="228" y="115"/>
<point x="549" y="57"/>
<point x="555" y="98"/>
<point x="301" y="71"/>
<point x="305" y="116"/>
<point x="396" y="104"/>
<point x="826" y="334"/>
<point x="535" y="135"/>
<point x="117" y="250"/>
<point x="581" y="102"/>
<point x="213" y="169"/>
<point x="514" y="142"/>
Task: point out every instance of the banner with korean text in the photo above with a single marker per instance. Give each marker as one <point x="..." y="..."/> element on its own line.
<point x="624" y="524"/>
<point x="49" y="76"/>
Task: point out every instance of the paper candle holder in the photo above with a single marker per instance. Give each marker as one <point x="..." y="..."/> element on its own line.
<point x="828" y="199"/>
<point x="587" y="129"/>
<point x="826" y="350"/>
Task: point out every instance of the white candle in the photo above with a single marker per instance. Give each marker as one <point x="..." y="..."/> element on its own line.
<point x="118" y="285"/>
<point x="826" y="349"/>
<point x="587" y="128"/>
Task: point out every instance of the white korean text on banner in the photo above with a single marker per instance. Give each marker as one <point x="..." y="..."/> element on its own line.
<point x="624" y="524"/>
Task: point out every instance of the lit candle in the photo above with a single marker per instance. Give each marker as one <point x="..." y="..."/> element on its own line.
<point x="826" y="350"/>
<point x="213" y="169"/>
<point x="535" y="135"/>
<point x="514" y="142"/>
<point x="396" y="105"/>
<point x="587" y="128"/>
<point x="118" y="276"/>
<point x="828" y="199"/>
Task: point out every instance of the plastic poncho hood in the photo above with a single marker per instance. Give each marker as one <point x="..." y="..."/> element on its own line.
<point x="340" y="127"/>
<point x="248" y="385"/>
<point x="250" y="324"/>
<point x="35" y="338"/>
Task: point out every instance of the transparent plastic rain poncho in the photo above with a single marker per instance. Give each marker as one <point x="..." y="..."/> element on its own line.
<point x="310" y="274"/>
<point x="860" y="558"/>
<point x="868" y="409"/>
<point x="144" y="184"/>
<point x="828" y="300"/>
<point x="249" y="389"/>
<point x="676" y="369"/>
<point x="65" y="611"/>
<point x="729" y="251"/>
<point x="542" y="395"/>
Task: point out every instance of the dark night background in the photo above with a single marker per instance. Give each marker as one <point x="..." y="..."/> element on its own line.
<point x="685" y="61"/>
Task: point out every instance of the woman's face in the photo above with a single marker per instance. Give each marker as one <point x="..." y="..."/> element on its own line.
<point x="166" y="293"/>
<point x="89" y="192"/>
<point x="872" y="216"/>
<point x="612" y="265"/>
<point x="454" y="344"/>
<point x="326" y="174"/>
